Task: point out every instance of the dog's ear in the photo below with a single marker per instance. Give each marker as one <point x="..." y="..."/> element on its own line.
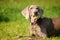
<point x="25" y="12"/>
<point x="41" y="12"/>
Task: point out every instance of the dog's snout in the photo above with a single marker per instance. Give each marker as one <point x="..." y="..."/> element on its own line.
<point x="36" y="13"/>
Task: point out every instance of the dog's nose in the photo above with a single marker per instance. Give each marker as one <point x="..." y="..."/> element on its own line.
<point x="36" y="13"/>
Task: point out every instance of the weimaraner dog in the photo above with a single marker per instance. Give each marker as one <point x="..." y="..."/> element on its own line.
<point x="41" y="26"/>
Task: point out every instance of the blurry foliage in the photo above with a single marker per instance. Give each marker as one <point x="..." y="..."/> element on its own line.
<point x="10" y="10"/>
<point x="2" y="18"/>
<point x="9" y="14"/>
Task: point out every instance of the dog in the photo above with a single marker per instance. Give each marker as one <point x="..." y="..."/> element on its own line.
<point x="39" y="25"/>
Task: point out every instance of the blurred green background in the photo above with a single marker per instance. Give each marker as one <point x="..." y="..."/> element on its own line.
<point x="12" y="23"/>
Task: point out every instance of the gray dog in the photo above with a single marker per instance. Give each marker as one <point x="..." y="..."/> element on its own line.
<point x="40" y="26"/>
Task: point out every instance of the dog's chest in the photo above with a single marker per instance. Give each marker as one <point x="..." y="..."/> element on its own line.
<point x="36" y="27"/>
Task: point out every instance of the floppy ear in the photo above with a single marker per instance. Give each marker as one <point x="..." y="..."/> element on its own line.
<point x="25" y="12"/>
<point x="41" y="12"/>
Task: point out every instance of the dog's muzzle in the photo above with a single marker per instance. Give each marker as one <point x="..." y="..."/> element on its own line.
<point x="34" y="19"/>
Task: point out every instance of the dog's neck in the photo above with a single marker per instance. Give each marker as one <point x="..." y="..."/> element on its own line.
<point x="39" y="21"/>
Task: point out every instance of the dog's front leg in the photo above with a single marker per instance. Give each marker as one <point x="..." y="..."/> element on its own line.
<point x="41" y="32"/>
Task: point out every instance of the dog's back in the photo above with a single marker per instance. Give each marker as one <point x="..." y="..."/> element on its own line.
<point x="56" y="22"/>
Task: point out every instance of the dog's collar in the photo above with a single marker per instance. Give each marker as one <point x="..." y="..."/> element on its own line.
<point x="39" y="21"/>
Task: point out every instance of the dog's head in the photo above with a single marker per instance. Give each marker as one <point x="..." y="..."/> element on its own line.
<point x="32" y="11"/>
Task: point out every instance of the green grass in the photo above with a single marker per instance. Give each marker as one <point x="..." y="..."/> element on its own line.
<point x="12" y="23"/>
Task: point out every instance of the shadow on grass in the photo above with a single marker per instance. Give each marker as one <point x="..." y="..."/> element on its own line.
<point x="5" y="19"/>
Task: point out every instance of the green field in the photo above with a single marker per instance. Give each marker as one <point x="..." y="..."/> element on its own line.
<point x="12" y="23"/>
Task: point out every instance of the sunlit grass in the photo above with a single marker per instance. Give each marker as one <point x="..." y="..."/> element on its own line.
<point x="13" y="29"/>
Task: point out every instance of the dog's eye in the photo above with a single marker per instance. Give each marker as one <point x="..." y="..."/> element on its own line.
<point x="37" y="8"/>
<point x="31" y="8"/>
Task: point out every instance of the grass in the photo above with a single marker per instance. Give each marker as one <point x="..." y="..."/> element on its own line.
<point x="12" y="23"/>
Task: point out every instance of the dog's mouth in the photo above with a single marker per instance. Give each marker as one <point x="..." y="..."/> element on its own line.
<point x="34" y="19"/>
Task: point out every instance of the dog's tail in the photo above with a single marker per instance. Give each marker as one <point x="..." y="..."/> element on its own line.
<point x="23" y="36"/>
<point x="26" y="37"/>
<point x="30" y="37"/>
